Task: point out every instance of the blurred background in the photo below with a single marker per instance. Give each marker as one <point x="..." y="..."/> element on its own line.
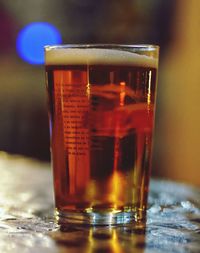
<point x="25" y="26"/>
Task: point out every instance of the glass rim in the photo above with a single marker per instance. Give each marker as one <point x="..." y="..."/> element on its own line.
<point x="103" y="45"/>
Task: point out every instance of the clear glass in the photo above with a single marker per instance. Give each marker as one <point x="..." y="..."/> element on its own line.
<point x="101" y="114"/>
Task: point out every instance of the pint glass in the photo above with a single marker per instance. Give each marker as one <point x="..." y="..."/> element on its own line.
<point x="101" y="114"/>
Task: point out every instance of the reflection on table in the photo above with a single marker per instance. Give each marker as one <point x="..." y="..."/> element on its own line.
<point x="27" y="224"/>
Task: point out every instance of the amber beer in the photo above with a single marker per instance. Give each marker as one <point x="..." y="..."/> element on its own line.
<point x="101" y="108"/>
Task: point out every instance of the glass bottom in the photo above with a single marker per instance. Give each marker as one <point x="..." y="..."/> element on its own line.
<point x="100" y="218"/>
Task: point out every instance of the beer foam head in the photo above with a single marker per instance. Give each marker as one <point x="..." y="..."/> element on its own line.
<point x="97" y="56"/>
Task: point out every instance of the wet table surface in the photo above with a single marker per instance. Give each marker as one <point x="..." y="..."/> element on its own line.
<point x="27" y="225"/>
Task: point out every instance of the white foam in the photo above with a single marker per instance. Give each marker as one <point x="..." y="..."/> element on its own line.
<point x="94" y="56"/>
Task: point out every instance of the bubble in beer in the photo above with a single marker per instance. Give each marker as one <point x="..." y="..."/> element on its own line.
<point x="32" y="39"/>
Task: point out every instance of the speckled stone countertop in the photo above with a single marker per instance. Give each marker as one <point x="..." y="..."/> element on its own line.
<point x="27" y="225"/>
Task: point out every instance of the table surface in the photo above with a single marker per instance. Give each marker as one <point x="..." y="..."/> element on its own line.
<point x="27" y="225"/>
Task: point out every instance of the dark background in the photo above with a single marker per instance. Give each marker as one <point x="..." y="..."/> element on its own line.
<point x="23" y="110"/>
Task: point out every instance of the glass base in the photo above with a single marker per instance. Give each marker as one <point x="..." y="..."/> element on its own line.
<point x="100" y="218"/>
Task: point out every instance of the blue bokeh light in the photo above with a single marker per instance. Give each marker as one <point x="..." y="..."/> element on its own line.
<point x="32" y="39"/>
